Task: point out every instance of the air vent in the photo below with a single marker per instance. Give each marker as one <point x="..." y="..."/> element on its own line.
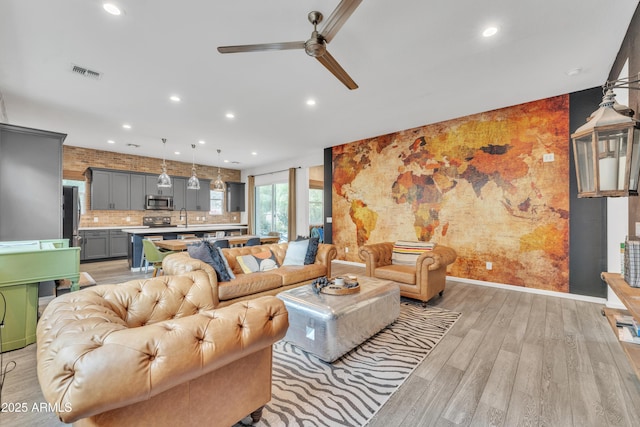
<point x="85" y="72"/>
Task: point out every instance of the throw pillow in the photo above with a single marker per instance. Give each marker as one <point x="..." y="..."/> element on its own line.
<point x="296" y="252"/>
<point x="226" y="264"/>
<point x="407" y="253"/>
<point x="201" y="252"/>
<point x="204" y="253"/>
<point x="312" y="251"/>
<point x="261" y="261"/>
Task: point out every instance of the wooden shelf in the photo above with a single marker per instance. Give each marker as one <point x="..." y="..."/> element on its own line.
<point x="630" y="297"/>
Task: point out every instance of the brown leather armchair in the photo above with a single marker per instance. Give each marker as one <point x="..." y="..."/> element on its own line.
<point x="421" y="281"/>
<point x="157" y="352"/>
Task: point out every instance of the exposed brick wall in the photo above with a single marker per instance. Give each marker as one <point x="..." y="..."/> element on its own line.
<point x="76" y="160"/>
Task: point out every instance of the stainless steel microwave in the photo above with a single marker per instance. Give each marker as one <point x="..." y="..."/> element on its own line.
<point x="158" y="203"/>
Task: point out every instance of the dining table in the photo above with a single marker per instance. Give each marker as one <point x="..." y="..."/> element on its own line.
<point x="182" y="244"/>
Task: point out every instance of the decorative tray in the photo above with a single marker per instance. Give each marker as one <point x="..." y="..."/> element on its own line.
<point x="350" y="286"/>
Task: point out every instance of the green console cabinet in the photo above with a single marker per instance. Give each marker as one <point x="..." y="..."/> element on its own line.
<point x="23" y="265"/>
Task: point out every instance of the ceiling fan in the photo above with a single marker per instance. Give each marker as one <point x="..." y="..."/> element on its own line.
<point x="316" y="46"/>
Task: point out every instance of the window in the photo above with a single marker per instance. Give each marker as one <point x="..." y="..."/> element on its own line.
<point x="315" y="206"/>
<point x="217" y="202"/>
<point x="81" y="192"/>
<point x="272" y="209"/>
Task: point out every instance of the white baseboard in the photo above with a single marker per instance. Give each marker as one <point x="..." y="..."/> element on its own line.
<point x="576" y="297"/>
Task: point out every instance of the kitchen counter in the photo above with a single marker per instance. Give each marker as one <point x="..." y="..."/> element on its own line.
<point x="136" y="234"/>
<point x="109" y="227"/>
<point x="181" y="228"/>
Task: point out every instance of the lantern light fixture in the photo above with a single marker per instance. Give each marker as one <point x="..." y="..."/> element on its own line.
<point x="606" y="149"/>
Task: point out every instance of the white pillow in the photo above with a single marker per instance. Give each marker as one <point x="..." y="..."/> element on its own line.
<point x="296" y="253"/>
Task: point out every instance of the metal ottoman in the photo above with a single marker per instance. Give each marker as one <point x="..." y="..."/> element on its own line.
<point x="328" y="326"/>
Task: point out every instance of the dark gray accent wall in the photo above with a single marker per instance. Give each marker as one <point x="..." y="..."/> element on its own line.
<point x="30" y="183"/>
<point x="328" y="185"/>
<point x="587" y="216"/>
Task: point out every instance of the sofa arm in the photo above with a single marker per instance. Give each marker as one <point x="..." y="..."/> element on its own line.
<point x="439" y="257"/>
<point x="326" y="253"/>
<point x="86" y="370"/>
<point x="181" y="263"/>
<point x="376" y="255"/>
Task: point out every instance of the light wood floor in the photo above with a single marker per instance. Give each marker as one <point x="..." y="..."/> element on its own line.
<point x="512" y="359"/>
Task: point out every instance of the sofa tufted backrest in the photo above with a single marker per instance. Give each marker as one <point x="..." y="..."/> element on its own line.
<point x="147" y="301"/>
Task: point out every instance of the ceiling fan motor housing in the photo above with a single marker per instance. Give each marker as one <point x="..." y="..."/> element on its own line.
<point x="315" y="46"/>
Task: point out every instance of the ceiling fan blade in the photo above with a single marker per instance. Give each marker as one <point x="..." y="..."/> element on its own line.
<point x="338" y="17"/>
<point x="261" y="47"/>
<point x="332" y="65"/>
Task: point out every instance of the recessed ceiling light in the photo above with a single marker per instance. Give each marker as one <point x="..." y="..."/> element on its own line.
<point x="126" y="126"/>
<point x="311" y="101"/>
<point x="253" y="153"/>
<point x="112" y="9"/>
<point x="230" y="115"/>
<point x="174" y="98"/>
<point x="226" y="161"/>
<point x="177" y="153"/>
<point x="111" y="141"/>
<point x="201" y="142"/>
<point x="490" y="31"/>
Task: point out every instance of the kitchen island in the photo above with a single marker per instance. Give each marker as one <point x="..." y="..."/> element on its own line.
<point x="134" y="252"/>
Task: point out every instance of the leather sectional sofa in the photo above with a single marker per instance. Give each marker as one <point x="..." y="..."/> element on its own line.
<point x="249" y="286"/>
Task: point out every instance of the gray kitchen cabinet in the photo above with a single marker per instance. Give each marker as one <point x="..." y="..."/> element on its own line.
<point x="152" y="186"/>
<point x="137" y="192"/>
<point x="199" y="200"/>
<point x="118" y="242"/>
<point x="96" y="244"/>
<point x="179" y="189"/>
<point x="30" y="183"/>
<point x="110" y="190"/>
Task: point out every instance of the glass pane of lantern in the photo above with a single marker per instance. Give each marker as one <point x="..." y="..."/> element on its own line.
<point x="635" y="161"/>
<point x="612" y="159"/>
<point x="584" y="155"/>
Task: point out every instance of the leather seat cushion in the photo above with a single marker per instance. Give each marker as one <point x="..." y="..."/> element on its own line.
<point x="299" y="273"/>
<point x="248" y="284"/>
<point x="398" y="273"/>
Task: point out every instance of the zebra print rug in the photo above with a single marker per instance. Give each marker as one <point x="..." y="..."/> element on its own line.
<point x="349" y="391"/>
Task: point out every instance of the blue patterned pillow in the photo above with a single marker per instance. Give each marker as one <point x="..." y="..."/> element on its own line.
<point x="226" y="264"/>
<point x="312" y="251"/>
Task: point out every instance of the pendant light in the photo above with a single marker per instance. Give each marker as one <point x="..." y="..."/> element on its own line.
<point x="164" y="181"/>
<point x="218" y="185"/>
<point x="194" y="182"/>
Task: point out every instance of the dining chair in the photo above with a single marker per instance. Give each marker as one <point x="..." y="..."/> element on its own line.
<point x="253" y="241"/>
<point x="223" y="243"/>
<point x="154" y="255"/>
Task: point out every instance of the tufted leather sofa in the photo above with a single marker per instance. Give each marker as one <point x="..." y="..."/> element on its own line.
<point x="157" y="352"/>
<point x="421" y="281"/>
<point x="249" y="286"/>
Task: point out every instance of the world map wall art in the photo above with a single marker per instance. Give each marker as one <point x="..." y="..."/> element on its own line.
<point x="477" y="184"/>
